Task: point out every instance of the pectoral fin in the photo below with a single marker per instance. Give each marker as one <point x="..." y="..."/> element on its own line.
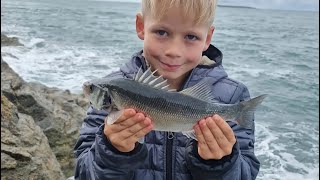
<point x="113" y="116"/>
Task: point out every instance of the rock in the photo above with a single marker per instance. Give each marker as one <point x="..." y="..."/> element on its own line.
<point x="7" y="162"/>
<point x="9" y="41"/>
<point x="25" y="151"/>
<point x="57" y="112"/>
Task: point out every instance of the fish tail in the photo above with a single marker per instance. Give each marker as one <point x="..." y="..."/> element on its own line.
<point x="245" y="118"/>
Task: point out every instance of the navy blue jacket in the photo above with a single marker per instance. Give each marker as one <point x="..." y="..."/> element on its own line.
<point x="166" y="155"/>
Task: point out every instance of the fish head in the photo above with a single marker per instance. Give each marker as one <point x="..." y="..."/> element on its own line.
<point x="103" y="93"/>
<point x="115" y="91"/>
<point x="97" y="95"/>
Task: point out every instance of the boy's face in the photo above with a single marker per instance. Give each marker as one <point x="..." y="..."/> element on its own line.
<point x="173" y="44"/>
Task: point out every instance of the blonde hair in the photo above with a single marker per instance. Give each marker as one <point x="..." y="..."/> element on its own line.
<point x="203" y="11"/>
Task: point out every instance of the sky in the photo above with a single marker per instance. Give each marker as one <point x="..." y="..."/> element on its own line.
<point x="305" y="5"/>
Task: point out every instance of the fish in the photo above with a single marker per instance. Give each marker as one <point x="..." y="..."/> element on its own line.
<point x="169" y="109"/>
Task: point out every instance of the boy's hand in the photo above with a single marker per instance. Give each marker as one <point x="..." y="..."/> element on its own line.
<point x="127" y="130"/>
<point x="215" y="138"/>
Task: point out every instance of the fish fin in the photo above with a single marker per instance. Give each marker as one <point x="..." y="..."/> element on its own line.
<point x="190" y="134"/>
<point x="201" y="90"/>
<point x="145" y="75"/>
<point x="148" y="78"/>
<point x="113" y="116"/>
<point x="138" y="75"/>
<point x="248" y="107"/>
<point x="160" y="84"/>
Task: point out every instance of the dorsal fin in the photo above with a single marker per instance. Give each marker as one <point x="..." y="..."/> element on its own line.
<point x="201" y="90"/>
<point x="138" y="75"/>
<point x="148" y="78"/>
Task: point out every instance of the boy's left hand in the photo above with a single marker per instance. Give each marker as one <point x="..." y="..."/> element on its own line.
<point x="215" y="138"/>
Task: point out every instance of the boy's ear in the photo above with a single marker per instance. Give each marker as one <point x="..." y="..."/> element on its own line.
<point x="140" y="26"/>
<point x="209" y="37"/>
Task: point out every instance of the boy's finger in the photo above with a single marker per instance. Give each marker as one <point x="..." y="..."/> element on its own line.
<point x="208" y="136"/>
<point x="219" y="137"/>
<point x="126" y="133"/>
<point x="122" y="136"/>
<point x="127" y="113"/>
<point x="201" y="141"/>
<point x="225" y="128"/>
<point x="135" y="137"/>
<point x="114" y="128"/>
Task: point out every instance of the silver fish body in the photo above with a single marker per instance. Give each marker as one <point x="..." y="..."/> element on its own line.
<point x="169" y="110"/>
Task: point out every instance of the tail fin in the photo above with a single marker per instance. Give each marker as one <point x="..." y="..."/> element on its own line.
<point x="248" y="107"/>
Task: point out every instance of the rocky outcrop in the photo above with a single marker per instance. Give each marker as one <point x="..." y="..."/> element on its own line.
<point x="35" y="108"/>
<point x="25" y="151"/>
<point x="9" y="41"/>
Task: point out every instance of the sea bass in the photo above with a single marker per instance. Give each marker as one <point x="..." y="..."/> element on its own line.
<point x="168" y="109"/>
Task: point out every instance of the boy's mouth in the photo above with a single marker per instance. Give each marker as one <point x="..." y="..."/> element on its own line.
<point x="169" y="67"/>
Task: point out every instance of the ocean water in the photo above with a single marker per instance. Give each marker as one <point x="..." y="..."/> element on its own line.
<point x="271" y="51"/>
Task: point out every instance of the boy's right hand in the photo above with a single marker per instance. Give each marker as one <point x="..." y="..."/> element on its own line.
<point x="127" y="130"/>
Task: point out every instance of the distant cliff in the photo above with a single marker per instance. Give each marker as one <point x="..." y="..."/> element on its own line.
<point x="232" y="6"/>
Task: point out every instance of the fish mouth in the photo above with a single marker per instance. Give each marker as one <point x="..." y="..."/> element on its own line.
<point x="87" y="88"/>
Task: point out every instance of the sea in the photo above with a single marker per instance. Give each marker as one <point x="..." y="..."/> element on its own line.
<point x="274" y="52"/>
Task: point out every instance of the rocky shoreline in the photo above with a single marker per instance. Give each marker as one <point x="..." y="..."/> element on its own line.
<point x="39" y="126"/>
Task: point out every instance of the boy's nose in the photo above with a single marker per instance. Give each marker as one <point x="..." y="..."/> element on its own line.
<point x="174" y="48"/>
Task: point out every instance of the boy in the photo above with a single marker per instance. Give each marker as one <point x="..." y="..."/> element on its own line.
<point x="177" y="36"/>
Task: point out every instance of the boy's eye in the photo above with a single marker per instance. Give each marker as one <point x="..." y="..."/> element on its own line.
<point x="161" y="33"/>
<point x="191" y="37"/>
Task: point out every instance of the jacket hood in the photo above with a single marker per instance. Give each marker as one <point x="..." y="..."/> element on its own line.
<point x="209" y="67"/>
<point x="212" y="57"/>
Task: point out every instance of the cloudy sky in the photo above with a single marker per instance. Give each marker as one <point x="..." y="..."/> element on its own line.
<point x="308" y="5"/>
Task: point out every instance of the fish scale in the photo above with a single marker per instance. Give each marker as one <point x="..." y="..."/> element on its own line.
<point x="160" y="106"/>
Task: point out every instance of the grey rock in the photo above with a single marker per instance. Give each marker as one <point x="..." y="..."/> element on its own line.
<point x="57" y="112"/>
<point x="9" y="41"/>
<point x="7" y="162"/>
<point x="25" y="151"/>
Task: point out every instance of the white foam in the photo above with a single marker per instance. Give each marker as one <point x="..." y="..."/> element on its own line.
<point x="34" y="42"/>
<point x="58" y="66"/>
<point x="276" y="162"/>
<point x="242" y="71"/>
<point x="280" y="174"/>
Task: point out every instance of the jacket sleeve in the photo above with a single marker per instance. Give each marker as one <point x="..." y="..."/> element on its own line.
<point x="97" y="158"/>
<point x="241" y="164"/>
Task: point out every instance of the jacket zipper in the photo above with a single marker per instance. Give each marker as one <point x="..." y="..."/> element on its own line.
<point x="169" y="145"/>
<point x="169" y="142"/>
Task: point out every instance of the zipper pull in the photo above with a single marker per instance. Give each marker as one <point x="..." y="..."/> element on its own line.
<point x="170" y="135"/>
